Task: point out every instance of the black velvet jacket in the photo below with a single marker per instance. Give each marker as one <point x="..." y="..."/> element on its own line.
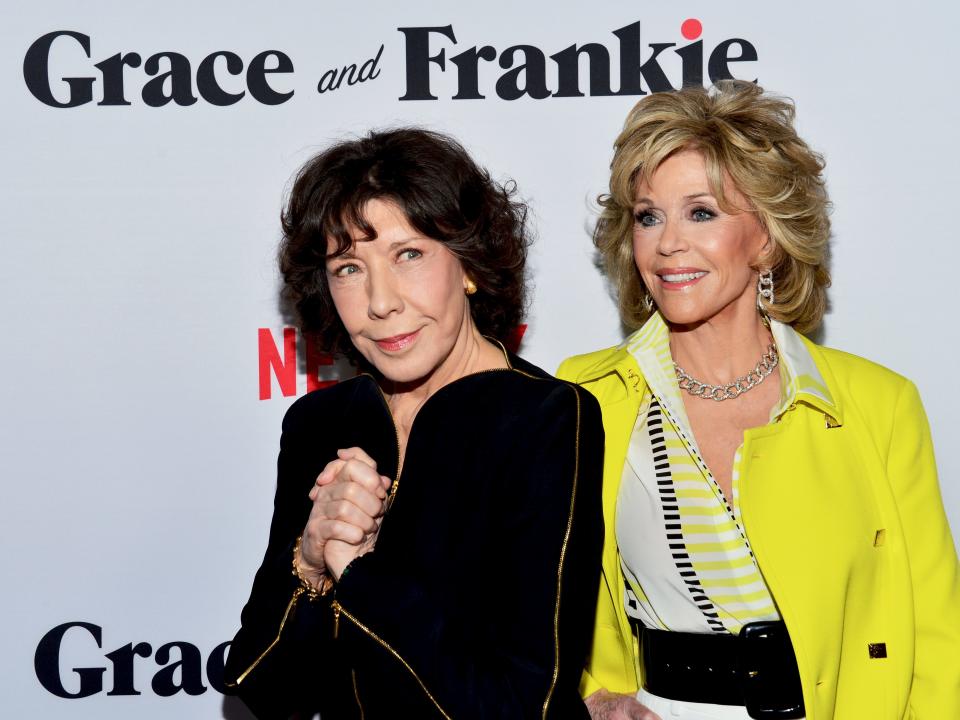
<point x="478" y="600"/>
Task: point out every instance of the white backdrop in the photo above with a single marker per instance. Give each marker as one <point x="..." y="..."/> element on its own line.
<point x="137" y="270"/>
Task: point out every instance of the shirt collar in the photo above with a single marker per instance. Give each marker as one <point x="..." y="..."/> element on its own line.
<point x="800" y="378"/>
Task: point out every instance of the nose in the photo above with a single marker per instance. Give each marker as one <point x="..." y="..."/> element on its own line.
<point x="671" y="238"/>
<point x="383" y="293"/>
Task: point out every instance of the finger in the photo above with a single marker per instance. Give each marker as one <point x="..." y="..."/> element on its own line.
<point x="362" y="474"/>
<point x="326" y="477"/>
<point x="386" y="482"/>
<point x="329" y="472"/>
<point x="342" y="531"/>
<point x="370" y="503"/>
<point x="345" y="511"/>
<point x="355" y="453"/>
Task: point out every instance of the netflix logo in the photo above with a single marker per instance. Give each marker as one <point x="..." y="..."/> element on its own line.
<point x="293" y="364"/>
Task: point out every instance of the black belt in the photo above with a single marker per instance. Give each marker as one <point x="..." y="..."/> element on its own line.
<point x="756" y="669"/>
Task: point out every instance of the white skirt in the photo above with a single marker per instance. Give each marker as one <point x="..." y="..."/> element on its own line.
<point x="682" y="710"/>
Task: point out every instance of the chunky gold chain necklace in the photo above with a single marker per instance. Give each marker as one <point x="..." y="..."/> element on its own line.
<point x="768" y="361"/>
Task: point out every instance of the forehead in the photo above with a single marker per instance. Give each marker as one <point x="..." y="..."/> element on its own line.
<point x="685" y="173"/>
<point x="384" y="217"/>
<point x="378" y="222"/>
<point x="683" y="168"/>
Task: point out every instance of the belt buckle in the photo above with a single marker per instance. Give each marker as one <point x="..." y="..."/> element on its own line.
<point x="768" y="672"/>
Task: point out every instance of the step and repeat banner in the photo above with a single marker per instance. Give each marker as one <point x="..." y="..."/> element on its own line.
<point x="147" y="361"/>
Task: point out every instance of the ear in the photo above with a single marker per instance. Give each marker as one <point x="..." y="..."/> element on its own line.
<point x="765" y="251"/>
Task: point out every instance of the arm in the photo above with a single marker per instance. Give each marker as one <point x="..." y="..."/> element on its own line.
<point x="933" y="561"/>
<point x="523" y="658"/>
<point x="285" y="640"/>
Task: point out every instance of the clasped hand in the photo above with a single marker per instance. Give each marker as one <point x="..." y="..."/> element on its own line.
<point x="348" y="505"/>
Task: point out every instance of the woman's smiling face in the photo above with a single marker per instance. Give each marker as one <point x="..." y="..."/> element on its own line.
<point x="400" y="296"/>
<point x="696" y="261"/>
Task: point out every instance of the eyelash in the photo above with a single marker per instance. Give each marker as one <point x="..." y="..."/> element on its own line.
<point x="339" y="271"/>
<point x="641" y="215"/>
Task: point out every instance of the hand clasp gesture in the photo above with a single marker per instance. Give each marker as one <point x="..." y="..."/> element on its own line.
<point x="348" y="504"/>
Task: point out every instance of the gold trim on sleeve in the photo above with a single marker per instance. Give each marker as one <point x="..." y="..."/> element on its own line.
<point x="286" y="614"/>
<point x="563" y="553"/>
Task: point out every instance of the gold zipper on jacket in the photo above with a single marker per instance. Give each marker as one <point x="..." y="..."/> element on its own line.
<point x="340" y="610"/>
<point x="392" y="494"/>
<point x="336" y="618"/>
<point x="388" y="503"/>
<point x="286" y="614"/>
<point x="356" y="692"/>
<point x="563" y="554"/>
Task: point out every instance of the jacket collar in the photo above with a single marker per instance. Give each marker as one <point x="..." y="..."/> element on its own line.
<point x="805" y="376"/>
<point x="804" y="379"/>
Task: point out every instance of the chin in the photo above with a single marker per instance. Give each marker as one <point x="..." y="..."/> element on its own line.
<point x="683" y="316"/>
<point x="400" y="369"/>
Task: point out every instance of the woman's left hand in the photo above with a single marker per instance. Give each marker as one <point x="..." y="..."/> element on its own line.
<point x="352" y="467"/>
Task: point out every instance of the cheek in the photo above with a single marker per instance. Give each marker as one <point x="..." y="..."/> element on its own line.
<point x="349" y="304"/>
<point x="437" y="289"/>
<point x="441" y="297"/>
<point x="643" y="252"/>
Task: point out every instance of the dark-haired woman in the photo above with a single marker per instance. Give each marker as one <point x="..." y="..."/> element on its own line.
<point x="430" y="513"/>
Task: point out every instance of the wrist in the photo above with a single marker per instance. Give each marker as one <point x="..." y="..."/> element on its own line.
<point x="339" y="575"/>
<point x="316" y="583"/>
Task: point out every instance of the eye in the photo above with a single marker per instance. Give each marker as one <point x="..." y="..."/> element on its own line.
<point x="345" y="270"/>
<point x="645" y="218"/>
<point x="702" y="214"/>
<point x="409" y="254"/>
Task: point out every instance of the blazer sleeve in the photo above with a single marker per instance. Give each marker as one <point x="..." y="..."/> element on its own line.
<point x="934" y="569"/>
<point x="285" y="642"/>
<point x="522" y="659"/>
<point x="611" y="661"/>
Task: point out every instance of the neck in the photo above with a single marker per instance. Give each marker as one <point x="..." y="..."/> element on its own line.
<point x="471" y="353"/>
<point x="723" y="348"/>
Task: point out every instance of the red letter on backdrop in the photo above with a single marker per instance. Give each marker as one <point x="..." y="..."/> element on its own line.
<point x="513" y="340"/>
<point x="316" y="358"/>
<point x="284" y="369"/>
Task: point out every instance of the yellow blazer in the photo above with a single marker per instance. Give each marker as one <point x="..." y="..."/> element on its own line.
<point x="842" y="508"/>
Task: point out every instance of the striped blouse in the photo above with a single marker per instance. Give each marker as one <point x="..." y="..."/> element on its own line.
<point x="685" y="557"/>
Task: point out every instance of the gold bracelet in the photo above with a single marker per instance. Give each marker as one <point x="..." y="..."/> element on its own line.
<point x="313" y="592"/>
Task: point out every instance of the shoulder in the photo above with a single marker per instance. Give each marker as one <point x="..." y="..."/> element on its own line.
<point x="877" y="393"/>
<point x="524" y="397"/>
<point x="545" y="391"/>
<point x="855" y="375"/>
<point x="579" y="367"/>
<point x="323" y="402"/>
<point x="847" y="364"/>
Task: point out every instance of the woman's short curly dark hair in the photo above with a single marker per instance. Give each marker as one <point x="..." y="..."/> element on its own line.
<point x="443" y="194"/>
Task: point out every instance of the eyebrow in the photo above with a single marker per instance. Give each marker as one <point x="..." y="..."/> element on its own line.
<point x="346" y="256"/>
<point x="397" y="243"/>
<point x="350" y="255"/>
<point x="694" y="196"/>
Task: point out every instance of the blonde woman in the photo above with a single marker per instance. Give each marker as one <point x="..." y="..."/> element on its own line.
<point x="776" y="544"/>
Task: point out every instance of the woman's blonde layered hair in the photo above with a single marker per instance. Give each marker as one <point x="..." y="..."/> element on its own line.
<point x="748" y="137"/>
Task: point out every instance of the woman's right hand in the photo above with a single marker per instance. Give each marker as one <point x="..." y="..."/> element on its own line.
<point x="605" y="705"/>
<point x="348" y="498"/>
